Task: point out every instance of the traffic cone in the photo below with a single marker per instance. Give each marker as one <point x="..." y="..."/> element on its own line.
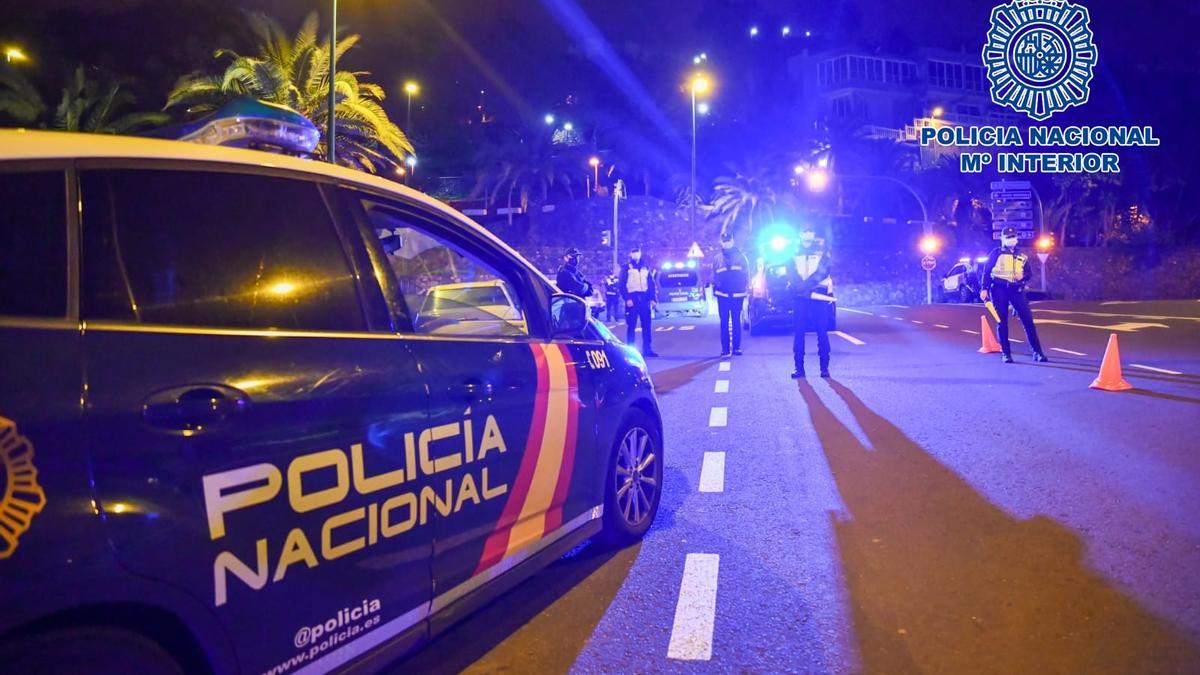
<point x="1110" y="369"/>
<point x="990" y="346"/>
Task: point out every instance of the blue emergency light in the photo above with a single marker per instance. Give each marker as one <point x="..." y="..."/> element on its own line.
<point x="777" y="243"/>
<point x="250" y="123"/>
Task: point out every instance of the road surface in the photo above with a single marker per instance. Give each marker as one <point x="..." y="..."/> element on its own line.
<point x="928" y="509"/>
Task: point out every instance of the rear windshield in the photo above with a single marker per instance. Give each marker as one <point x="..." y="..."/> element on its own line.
<point x="447" y="298"/>
<point x="679" y="280"/>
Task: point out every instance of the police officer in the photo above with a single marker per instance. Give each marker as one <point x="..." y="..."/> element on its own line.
<point x="1004" y="276"/>
<point x="612" y="298"/>
<point x="809" y="276"/>
<point x="570" y="279"/>
<point x="731" y="280"/>
<point x="638" y="289"/>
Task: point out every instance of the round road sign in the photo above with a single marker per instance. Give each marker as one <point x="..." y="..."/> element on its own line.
<point x="928" y="263"/>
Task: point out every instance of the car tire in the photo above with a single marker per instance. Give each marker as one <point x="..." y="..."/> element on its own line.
<point x="92" y="650"/>
<point x="628" y="514"/>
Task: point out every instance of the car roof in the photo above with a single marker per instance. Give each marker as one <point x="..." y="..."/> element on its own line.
<point x="27" y="144"/>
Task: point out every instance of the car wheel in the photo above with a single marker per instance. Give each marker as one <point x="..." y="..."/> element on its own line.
<point x="633" y="485"/>
<point x="96" y="651"/>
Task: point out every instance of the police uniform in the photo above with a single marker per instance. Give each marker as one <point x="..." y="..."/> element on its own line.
<point x="612" y="298"/>
<point x="810" y="272"/>
<point x="570" y="279"/>
<point x="638" y="290"/>
<point x="731" y="279"/>
<point x="1004" y="276"/>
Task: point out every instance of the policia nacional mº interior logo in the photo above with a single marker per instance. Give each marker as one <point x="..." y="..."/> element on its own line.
<point x="21" y="498"/>
<point x="1040" y="56"/>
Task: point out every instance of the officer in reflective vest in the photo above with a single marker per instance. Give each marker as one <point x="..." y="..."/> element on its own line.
<point x="1003" y="281"/>
<point x="637" y="287"/>
<point x="731" y="282"/>
<point x="812" y="292"/>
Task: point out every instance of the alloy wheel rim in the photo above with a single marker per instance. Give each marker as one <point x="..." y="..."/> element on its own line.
<point x="636" y="484"/>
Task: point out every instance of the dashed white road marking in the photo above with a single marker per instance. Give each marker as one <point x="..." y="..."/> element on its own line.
<point x="724" y="366"/>
<point x="940" y="325"/>
<point x="859" y="311"/>
<point x="849" y="338"/>
<point x="688" y="327"/>
<point x="919" y="323"/>
<point x="712" y="472"/>
<point x="972" y="332"/>
<point x="898" y="318"/>
<point x="663" y="329"/>
<point x="1013" y="339"/>
<point x="722" y="387"/>
<point x="1156" y="370"/>
<point x="692" y="632"/>
<point x="1067" y="351"/>
<point x="718" y="416"/>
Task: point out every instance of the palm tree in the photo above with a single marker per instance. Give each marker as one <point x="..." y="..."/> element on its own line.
<point x="528" y="166"/>
<point x="86" y="105"/>
<point x="294" y="71"/>
<point x="748" y="192"/>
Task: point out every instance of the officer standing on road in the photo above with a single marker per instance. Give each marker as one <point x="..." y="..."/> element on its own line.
<point x="731" y="281"/>
<point x="1004" y="276"/>
<point x="570" y="279"/>
<point x="612" y="298"/>
<point x="637" y="287"/>
<point x="809" y="275"/>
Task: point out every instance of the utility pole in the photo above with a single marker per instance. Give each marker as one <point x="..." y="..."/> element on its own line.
<point x="331" y="125"/>
<point x="618" y="195"/>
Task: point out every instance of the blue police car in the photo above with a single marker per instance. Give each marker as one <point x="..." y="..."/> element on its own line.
<point x="263" y="414"/>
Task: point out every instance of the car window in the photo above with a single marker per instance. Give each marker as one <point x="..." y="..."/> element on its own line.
<point x="33" y="244"/>
<point x="678" y="279"/>
<point x="447" y="289"/>
<point x="224" y="250"/>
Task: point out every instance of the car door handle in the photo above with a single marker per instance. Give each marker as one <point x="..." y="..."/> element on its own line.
<point x="471" y="390"/>
<point x="193" y="408"/>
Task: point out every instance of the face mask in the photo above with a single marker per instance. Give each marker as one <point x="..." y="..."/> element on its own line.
<point x="727" y="244"/>
<point x="1008" y="242"/>
<point x="807" y="239"/>
<point x="573" y="260"/>
<point x="635" y="256"/>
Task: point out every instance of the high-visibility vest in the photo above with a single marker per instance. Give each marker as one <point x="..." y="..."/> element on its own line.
<point x="1010" y="267"/>
<point x="807" y="265"/>
<point x="637" y="280"/>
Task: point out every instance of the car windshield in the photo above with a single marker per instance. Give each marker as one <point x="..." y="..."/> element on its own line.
<point x="449" y="298"/>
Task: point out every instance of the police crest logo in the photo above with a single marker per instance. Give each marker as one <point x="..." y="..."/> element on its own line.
<point x="1040" y="56"/>
<point x="21" y="498"/>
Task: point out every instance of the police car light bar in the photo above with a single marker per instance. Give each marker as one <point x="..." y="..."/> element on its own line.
<point x="250" y="123"/>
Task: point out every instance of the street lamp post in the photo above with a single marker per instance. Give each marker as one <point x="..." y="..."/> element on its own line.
<point x="330" y="123"/>
<point x="594" y="162"/>
<point x="699" y="85"/>
<point x="410" y="88"/>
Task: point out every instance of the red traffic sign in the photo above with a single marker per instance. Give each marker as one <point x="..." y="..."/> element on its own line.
<point x="928" y="263"/>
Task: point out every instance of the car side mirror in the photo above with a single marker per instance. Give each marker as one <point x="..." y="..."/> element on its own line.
<point x="568" y="315"/>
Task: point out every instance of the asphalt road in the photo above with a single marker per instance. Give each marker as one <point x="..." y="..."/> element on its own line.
<point x="928" y="509"/>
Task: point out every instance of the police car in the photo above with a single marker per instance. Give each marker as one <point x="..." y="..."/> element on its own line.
<point x="229" y="443"/>
<point x="680" y="291"/>
<point x="960" y="283"/>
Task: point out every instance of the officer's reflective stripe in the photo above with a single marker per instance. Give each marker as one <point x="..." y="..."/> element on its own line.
<point x="735" y="268"/>
<point x="549" y="454"/>
<point x="723" y="294"/>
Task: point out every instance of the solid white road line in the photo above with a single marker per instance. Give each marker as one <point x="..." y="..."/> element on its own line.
<point x="692" y="632"/>
<point x="1156" y="370"/>
<point x="722" y="387"/>
<point x="849" y="338"/>
<point x="718" y="416"/>
<point x="972" y="332"/>
<point x="724" y="366"/>
<point x="1067" y="351"/>
<point x="940" y="325"/>
<point x="712" y="472"/>
<point x="855" y="311"/>
<point x="688" y="327"/>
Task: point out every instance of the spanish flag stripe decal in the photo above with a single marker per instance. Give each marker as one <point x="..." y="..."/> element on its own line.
<point x="554" y="519"/>
<point x="532" y="522"/>
<point x="497" y="542"/>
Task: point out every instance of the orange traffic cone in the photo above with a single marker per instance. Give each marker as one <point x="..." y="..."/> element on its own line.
<point x="1110" y="369"/>
<point x="990" y="346"/>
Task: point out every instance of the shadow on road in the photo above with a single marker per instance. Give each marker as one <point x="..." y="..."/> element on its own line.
<point x="672" y="378"/>
<point x="943" y="581"/>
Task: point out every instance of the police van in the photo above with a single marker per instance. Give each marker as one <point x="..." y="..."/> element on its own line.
<point x="263" y="414"/>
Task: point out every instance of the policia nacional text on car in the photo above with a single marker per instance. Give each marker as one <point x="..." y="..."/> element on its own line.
<point x="812" y="290"/>
<point x="731" y="280"/>
<point x="1004" y="276"/>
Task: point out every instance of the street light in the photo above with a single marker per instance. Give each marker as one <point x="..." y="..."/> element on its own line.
<point x="14" y="54"/>
<point x="753" y="31"/>
<point x="1044" y="245"/>
<point x="817" y="180"/>
<point x="567" y="126"/>
<point x="594" y="162"/>
<point x="700" y="85"/>
<point x="411" y="89"/>
<point x="703" y="108"/>
<point x="938" y="111"/>
<point x="548" y="119"/>
<point x="930" y="244"/>
<point x="787" y="30"/>
<point x="411" y="162"/>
